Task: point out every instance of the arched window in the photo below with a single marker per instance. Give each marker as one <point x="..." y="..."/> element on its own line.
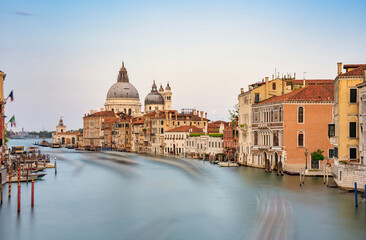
<point x="300" y="139"/>
<point x="300" y="115"/>
<point x="129" y="111"/>
<point x="273" y="86"/>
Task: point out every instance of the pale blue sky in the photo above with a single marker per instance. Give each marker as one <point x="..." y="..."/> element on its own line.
<point x="61" y="57"/>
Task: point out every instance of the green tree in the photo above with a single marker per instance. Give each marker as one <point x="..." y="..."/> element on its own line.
<point x="234" y="114"/>
<point x="317" y="155"/>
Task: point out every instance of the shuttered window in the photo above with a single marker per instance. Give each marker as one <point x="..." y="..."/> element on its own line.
<point x="352" y="129"/>
<point x="353" y="95"/>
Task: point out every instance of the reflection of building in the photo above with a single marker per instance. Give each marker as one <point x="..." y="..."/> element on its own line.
<point x="284" y="127"/>
<point x="348" y="125"/>
<point x="123" y="96"/>
<point x="62" y="136"/>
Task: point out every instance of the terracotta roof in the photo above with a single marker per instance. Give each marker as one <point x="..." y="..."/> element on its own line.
<point x="186" y="129"/>
<point x="68" y="133"/>
<point x="111" y="120"/>
<point x="102" y="114"/>
<point x="345" y="66"/>
<point x="312" y="81"/>
<point x="315" y="93"/>
<point x="138" y="120"/>
<point x="358" y="71"/>
<point x="213" y="130"/>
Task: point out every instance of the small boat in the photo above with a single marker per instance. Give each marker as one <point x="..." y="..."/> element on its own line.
<point x="44" y="143"/>
<point x="31" y="177"/>
<point x="50" y="165"/>
<point x="228" y="164"/>
<point x="55" y="145"/>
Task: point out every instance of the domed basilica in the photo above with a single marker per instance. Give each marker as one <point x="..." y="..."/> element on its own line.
<point x="123" y="97"/>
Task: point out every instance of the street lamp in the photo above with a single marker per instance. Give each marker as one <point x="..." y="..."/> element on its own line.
<point x="306" y="159"/>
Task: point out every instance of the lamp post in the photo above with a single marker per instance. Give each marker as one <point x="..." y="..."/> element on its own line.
<point x="306" y="159"/>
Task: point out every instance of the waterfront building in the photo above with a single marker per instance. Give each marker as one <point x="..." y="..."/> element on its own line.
<point x="230" y="142"/>
<point x="64" y="137"/>
<point x="123" y="96"/>
<point x="175" y="139"/>
<point x="92" y="128"/>
<point x="158" y="100"/>
<point x="257" y="93"/>
<point x="137" y="142"/>
<point x="209" y="142"/>
<point x="109" y="135"/>
<point x="122" y="133"/>
<point x="157" y="122"/>
<point x="285" y="128"/>
<point x="347" y="127"/>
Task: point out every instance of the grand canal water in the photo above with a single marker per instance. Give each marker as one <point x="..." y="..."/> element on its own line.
<point x="129" y="196"/>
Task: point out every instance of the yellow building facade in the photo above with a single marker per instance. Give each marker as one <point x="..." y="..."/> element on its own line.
<point x="344" y="130"/>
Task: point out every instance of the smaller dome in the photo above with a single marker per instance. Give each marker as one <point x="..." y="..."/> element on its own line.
<point x="161" y="89"/>
<point x="154" y="98"/>
<point x="167" y="88"/>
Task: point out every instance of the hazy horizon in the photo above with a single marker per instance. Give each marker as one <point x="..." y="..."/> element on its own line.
<point x="62" y="57"/>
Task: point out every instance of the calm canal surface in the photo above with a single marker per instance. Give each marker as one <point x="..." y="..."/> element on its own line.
<point x="129" y="196"/>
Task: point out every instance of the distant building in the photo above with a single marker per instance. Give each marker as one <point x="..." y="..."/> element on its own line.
<point x="156" y="123"/>
<point x="123" y="96"/>
<point x="158" y="100"/>
<point x="64" y="137"/>
<point x="230" y="142"/>
<point x="209" y="142"/>
<point x="93" y="133"/>
<point x="175" y="139"/>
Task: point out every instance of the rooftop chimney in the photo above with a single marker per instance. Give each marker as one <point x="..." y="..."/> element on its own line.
<point x="339" y="68"/>
<point x="241" y="90"/>
<point x="206" y="115"/>
<point x="201" y="115"/>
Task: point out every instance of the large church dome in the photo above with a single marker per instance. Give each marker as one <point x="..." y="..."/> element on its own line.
<point x="154" y="97"/>
<point x="123" y="88"/>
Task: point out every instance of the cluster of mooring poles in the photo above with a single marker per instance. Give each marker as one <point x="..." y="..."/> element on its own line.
<point x="25" y="164"/>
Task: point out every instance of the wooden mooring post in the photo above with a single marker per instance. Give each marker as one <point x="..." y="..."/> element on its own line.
<point x="55" y="166"/>
<point x="1" y="188"/>
<point x="19" y="190"/>
<point x="32" y="197"/>
<point x="9" y="181"/>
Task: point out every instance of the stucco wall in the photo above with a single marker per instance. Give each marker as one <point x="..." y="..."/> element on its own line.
<point x="315" y="129"/>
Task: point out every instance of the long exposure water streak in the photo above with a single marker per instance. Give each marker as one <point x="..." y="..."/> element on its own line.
<point x="128" y="196"/>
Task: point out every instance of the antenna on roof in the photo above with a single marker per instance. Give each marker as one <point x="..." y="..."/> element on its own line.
<point x="304" y="74"/>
